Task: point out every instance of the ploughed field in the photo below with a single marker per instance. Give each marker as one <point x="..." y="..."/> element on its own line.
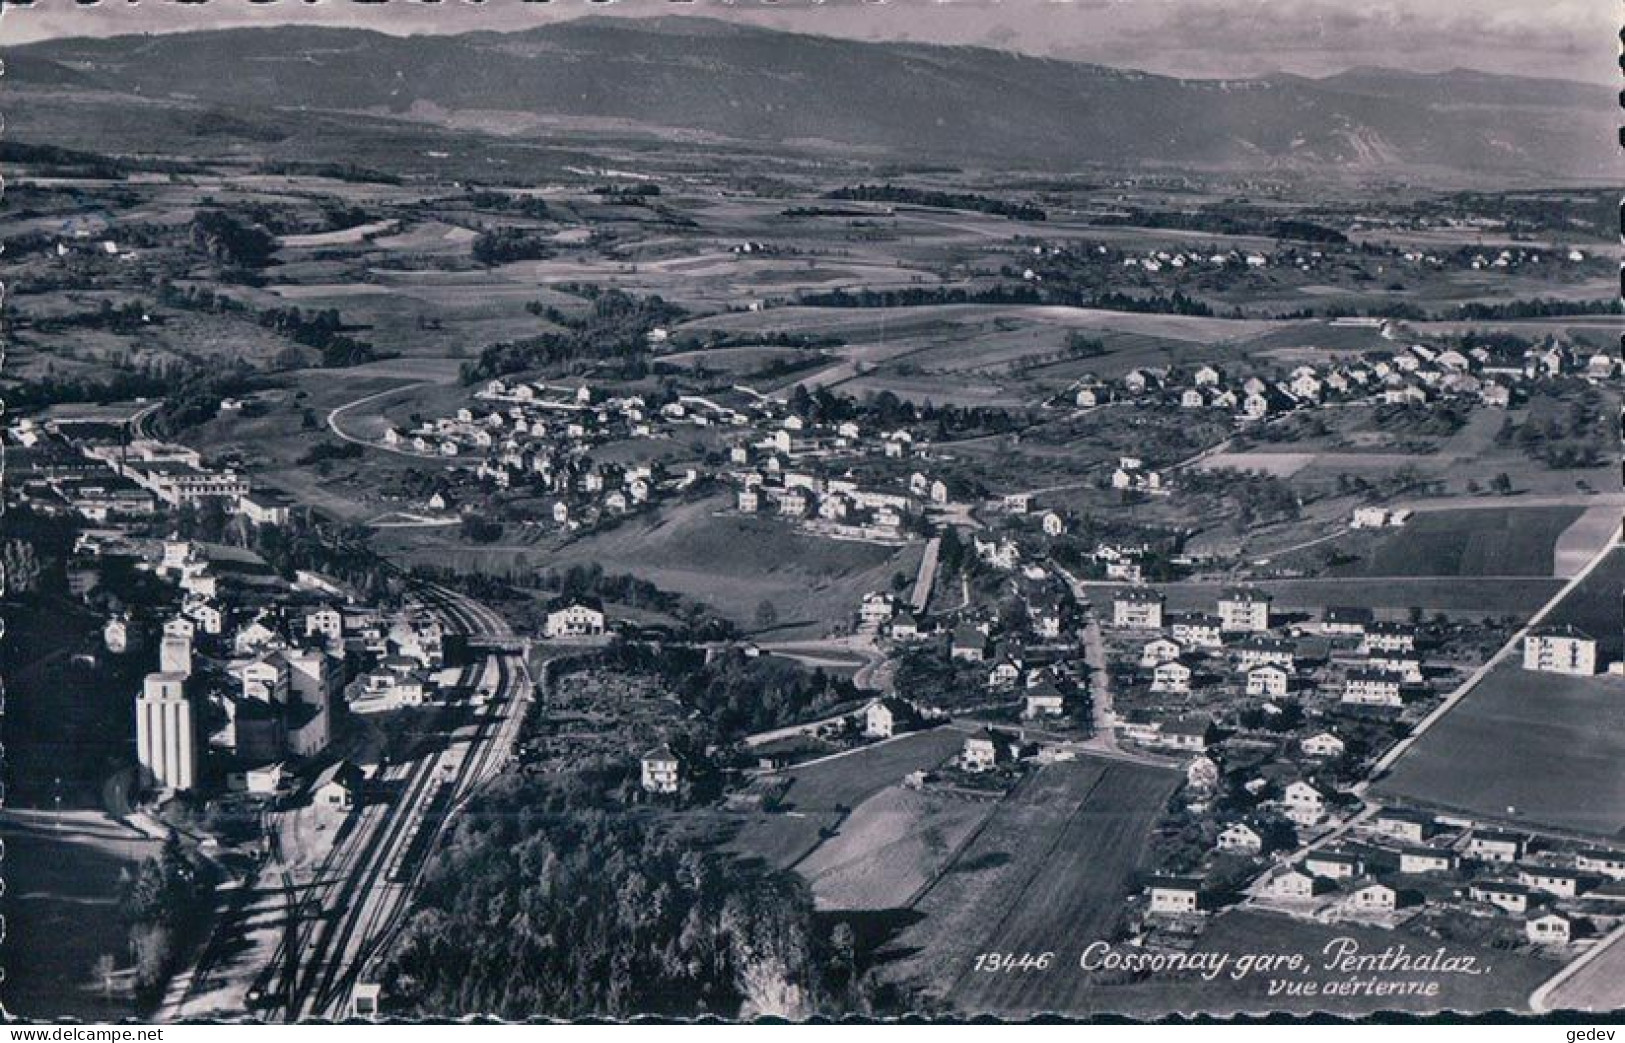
<point x="1048" y="872"/>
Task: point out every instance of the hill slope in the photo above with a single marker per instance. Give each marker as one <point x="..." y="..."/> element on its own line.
<point x="971" y="104"/>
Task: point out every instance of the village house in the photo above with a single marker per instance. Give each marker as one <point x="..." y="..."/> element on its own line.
<point x="1005" y="673"/>
<point x="1044" y="699"/>
<point x="574" y="617"/>
<point x="905" y="626"/>
<point x="1172" y="677"/>
<point x="1421" y="861"/>
<point x="1269" y="679"/>
<point x="1137" y="608"/>
<point x="1174" y="896"/>
<point x="1196" y="630"/>
<point x="1334" y="865"/>
<point x="1346" y="621"/>
<point x="1257" y="651"/>
<point x="1372" y="688"/>
<point x="208" y="618"/>
<point x="1388" y="637"/>
<point x="1554" y="880"/>
<point x="1238" y="838"/>
<point x="884" y="718"/>
<point x="1413" y="827"/>
<point x="1048" y="617"/>
<point x="327" y="623"/>
<point x="875" y="609"/>
<point x="1610" y="864"/>
<point x="1548" y="929"/>
<point x="1160" y="650"/>
<point x="1295" y="885"/>
<point x="337" y="788"/>
<point x="1490" y="845"/>
<point x="661" y="770"/>
<point x="1402" y="665"/>
<point x="1323" y="744"/>
<point x="1303" y="803"/>
<point x="1244" y="610"/>
<point x="1560" y="650"/>
<point x="1506" y="896"/>
<point x="1376" y="898"/>
<point x="969" y="644"/>
<point x="1193" y="734"/>
<point x="985" y="750"/>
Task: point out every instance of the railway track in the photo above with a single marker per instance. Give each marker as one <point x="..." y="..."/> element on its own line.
<point x="367" y="892"/>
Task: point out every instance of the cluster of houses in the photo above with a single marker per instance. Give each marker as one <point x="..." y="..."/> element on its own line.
<point x="537" y="436"/>
<point x="1187" y="258"/>
<point x="837" y="506"/>
<point x="540" y="436"/>
<point x="251" y="670"/>
<point x="1405" y="860"/>
<point x="1398" y="863"/>
<point x="1415" y="375"/>
<point x="1368" y="662"/>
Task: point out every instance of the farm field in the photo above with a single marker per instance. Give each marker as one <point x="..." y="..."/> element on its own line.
<point x="984" y="354"/>
<point x="1356" y="443"/>
<point x="781" y="840"/>
<point x="728" y="561"/>
<point x="844" y="782"/>
<point x="1506" y="985"/>
<point x="1594" y="606"/>
<point x="1507" y="541"/>
<point x="821" y="794"/>
<point x="889" y="848"/>
<point x="1534" y="720"/>
<point x="1048" y="871"/>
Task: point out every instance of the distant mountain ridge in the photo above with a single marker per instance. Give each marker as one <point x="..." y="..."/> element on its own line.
<point x="965" y="104"/>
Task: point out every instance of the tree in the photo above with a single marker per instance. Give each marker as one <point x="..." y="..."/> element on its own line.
<point x="22" y="566"/>
<point x="767" y="615"/>
<point x="1502" y="484"/>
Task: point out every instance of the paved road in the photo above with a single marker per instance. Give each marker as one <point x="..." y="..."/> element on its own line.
<point x="927" y="576"/>
<point x="1595" y="982"/>
<point x="334" y="414"/>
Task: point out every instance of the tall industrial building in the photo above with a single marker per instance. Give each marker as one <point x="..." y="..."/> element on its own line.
<point x="175" y="655"/>
<point x="165" y="739"/>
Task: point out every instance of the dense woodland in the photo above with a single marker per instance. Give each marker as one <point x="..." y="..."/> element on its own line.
<point x="580" y="912"/>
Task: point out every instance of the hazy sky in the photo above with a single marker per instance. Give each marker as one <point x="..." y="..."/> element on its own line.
<point x="1572" y="39"/>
